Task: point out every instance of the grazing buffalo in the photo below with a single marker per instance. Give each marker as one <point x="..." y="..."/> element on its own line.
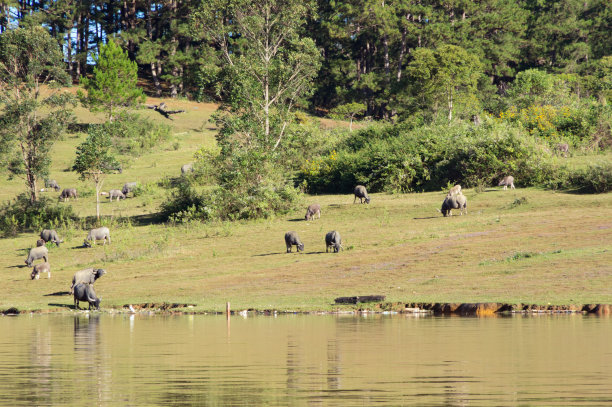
<point x="312" y="210"/>
<point x="68" y="193"/>
<point x="563" y="148"/>
<point x="115" y="193"/>
<point x="292" y="239"/>
<point x="361" y="193"/>
<point x="507" y="181"/>
<point x="36" y="253"/>
<point x="51" y="183"/>
<point x="41" y="268"/>
<point x="129" y="187"/>
<point x="333" y="240"/>
<point x="85" y="292"/>
<point x="50" y="235"/>
<point x="454" y="202"/>
<point x="97" y="234"/>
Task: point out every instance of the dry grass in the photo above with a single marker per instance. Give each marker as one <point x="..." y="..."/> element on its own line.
<point x="548" y="248"/>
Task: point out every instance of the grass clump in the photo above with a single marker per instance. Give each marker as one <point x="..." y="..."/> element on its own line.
<point x="518" y="202"/>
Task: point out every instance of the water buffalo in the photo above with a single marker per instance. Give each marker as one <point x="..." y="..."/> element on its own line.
<point x="51" y="183"/>
<point x="36" y="253"/>
<point x="97" y="234"/>
<point x="129" y="187"/>
<point x="292" y="239"/>
<point x="454" y="202"/>
<point x="40" y="242"/>
<point x="563" y="148"/>
<point x="454" y="190"/>
<point x="507" y="181"/>
<point x="68" y="193"/>
<point x="85" y="292"/>
<point x="186" y="168"/>
<point x="312" y="210"/>
<point x="41" y="268"/>
<point x="87" y="276"/>
<point x="333" y="240"/>
<point x="361" y="193"/>
<point x="50" y="235"/>
<point x="115" y="193"/>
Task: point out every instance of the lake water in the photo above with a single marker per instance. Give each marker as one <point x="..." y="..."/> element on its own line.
<point x="138" y="360"/>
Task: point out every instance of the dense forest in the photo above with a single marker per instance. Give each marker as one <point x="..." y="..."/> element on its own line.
<point x="369" y="49"/>
<point x="447" y="91"/>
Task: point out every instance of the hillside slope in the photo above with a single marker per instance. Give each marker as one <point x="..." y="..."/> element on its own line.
<point x="546" y="248"/>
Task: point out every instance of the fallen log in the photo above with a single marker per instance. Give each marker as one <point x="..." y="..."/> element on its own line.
<point x="161" y="109"/>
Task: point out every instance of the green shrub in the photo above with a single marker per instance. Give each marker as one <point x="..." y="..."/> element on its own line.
<point x="133" y="134"/>
<point x="20" y="215"/>
<point x="249" y="185"/>
<point x="401" y="158"/>
<point x="143" y="189"/>
<point x="596" y="178"/>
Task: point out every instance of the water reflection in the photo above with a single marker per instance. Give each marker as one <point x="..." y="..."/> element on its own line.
<point x="143" y="360"/>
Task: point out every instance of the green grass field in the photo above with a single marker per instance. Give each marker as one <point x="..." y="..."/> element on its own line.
<point x="546" y="248"/>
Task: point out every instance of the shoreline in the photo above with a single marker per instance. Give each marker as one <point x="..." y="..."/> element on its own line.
<point x="436" y="309"/>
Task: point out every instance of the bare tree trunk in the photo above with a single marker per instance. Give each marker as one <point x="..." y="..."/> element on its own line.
<point x="450" y="104"/>
<point x="99" y="182"/>
<point x="78" y="45"/>
<point x="173" y="47"/>
<point x="158" y="89"/>
<point x="402" y="53"/>
<point x="386" y="52"/>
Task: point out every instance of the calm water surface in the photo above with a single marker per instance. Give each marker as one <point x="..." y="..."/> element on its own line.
<point x="396" y="360"/>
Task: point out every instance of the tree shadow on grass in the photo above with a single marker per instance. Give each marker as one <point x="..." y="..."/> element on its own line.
<point x="315" y="252"/>
<point x="427" y="217"/>
<point x="57" y="294"/>
<point x="296" y="220"/>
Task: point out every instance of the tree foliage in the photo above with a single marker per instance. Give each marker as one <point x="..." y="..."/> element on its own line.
<point x="267" y="65"/>
<point x="34" y="112"/>
<point x="113" y="84"/>
<point x="95" y="159"/>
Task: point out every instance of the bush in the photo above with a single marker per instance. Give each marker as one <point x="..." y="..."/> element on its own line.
<point x="20" y="215"/>
<point x="188" y="205"/>
<point x="250" y="185"/>
<point x="576" y="125"/>
<point x="400" y="159"/>
<point x="133" y="134"/>
<point x="596" y="178"/>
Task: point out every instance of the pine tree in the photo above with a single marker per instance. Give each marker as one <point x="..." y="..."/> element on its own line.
<point x="113" y="83"/>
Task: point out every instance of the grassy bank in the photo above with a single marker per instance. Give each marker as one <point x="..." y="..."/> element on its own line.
<point x="520" y="246"/>
<point x="552" y="248"/>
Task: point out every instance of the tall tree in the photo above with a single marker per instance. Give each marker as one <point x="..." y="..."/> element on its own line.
<point x="34" y="112"/>
<point x="114" y="82"/>
<point x="94" y="159"/>
<point x="443" y="74"/>
<point x="268" y="65"/>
